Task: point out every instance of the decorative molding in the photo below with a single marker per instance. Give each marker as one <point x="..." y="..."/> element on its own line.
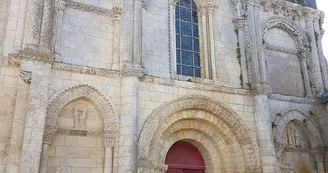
<point x="280" y="49"/>
<point x="56" y="103"/>
<point x="292" y="99"/>
<point x="132" y="69"/>
<point x="45" y="57"/>
<point x="76" y="132"/>
<point x="86" y="70"/>
<point x="26" y="76"/>
<point x="93" y="9"/>
<point x="290" y="10"/>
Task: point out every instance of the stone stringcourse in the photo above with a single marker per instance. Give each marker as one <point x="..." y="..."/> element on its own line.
<point x="292" y="99"/>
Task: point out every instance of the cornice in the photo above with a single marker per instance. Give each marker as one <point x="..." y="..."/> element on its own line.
<point x="291" y="10"/>
<point x="292" y="99"/>
<point x="89" y="8"/>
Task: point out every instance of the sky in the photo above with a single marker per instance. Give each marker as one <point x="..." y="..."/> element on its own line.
<point x="323" y="5"/>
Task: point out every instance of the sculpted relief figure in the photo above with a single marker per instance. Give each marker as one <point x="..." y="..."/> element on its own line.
<point x="79" y="117"/>
<point x="293" y="138"/>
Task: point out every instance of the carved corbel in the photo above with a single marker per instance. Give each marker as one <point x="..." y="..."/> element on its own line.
<point x="145" y="4"/>
<point x="26" y="76"/>
<point x="60" y="4"/>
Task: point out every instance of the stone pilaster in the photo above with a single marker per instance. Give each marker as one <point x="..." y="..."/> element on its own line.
<point x="313" y="61"/>
<point x="16" y="140"/>
<point x="203" y="13"/>
<point x="20" y="25"/>
<point x="36" y="113"/>
<point x="264" y="134"/>
<point x="129" y="124"/>
<point x="303" y="57"/>
<point x="117" y="39"/>
<point x="212" y="42"/>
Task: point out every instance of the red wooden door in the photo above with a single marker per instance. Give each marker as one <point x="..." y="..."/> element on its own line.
<point x="183" y="157"/>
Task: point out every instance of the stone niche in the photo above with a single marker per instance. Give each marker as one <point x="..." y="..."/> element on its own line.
<point x="283" y="64"/>
<point x="297" y="156"/>
<point x="77" y="146"/>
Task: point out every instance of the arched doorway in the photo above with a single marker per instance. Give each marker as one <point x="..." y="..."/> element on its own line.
<point x="184" y="157"/>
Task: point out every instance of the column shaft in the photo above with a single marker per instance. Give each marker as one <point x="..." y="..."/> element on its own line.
<point x="212" y="43"/>
<point x="314" y="63"/>
<point x="306" y="78"/>
<point x="204" y="29"/>
<point x="20" y="25"/>
<point x="129" y="125"/>
<point x="116" y="42"/>
<point x="128" y="30"/>
<point x="47" y="26"/>
<point x="108" y="160"/>
<point x="137" y="46"/>
<point x="36" y="114"/>
<point x="264" y="134"/>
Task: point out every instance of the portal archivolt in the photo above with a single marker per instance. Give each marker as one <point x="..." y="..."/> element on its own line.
<point x="224" y="141"/>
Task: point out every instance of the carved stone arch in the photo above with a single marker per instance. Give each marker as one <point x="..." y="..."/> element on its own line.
<point x="316" y="140"/>
<point x="104" y="105"/>
<point x="295" y="31"/>
<point x="219" y="114"/>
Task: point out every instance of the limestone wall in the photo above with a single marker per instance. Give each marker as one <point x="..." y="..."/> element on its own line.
<point x="4" y="9"/>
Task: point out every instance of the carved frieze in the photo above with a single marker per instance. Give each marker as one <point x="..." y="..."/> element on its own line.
<point x="85" y="70"/>
<point x="290" y="10"/>
<point x="93" y="9"/>
<point x="45" y="57"/>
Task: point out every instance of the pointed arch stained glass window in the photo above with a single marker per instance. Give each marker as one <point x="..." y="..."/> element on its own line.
<point x="187" y="38"/>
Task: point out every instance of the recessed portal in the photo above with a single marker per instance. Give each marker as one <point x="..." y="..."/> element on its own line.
<point x="184" y="157"/>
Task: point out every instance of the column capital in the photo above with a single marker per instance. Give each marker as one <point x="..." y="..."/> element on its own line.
<point x="26" y="76"/>
<point x="131" y="69"/>
<point x="239" y="23"/>
<point x="60" y="4"/>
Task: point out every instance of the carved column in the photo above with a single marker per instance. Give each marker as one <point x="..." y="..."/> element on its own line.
<point x="20" y="26"/>
<point x="303" y="56"/>
<point x="137" y="42"/>
<point x="128" y="30"/>
<point x="34" y="18"/>
<point x="35" y="117"/>
<point x="240" y="25"/>
<point x="109" y="144"/>
<point x="129" y="123"/>
<point x="205" y="42"/>
<point x="117" y="38"/>
<point x="47" y="26"/>
<point x="173" y="60"/>
<point x="212" y="42"/>
<point x="314" y="63"/>
<point x="322" y="59"/>
<point x="16" y="140"/>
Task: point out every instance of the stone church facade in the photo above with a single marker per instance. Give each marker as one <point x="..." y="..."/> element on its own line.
<point x="109" y="86"/>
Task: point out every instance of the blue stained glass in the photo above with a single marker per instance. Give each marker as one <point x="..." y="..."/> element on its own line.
<point x="196" y="60"/>
<point x="197" y="72"/>
<point x="194" y="17"/>
<point x="196" y="45"/>
<point x="179" y="69"/>
<point x="178" y="56"/>
<point x="195" y="30"/>
<point x="178" y="42"/>
<point x="187" y="58"/>
<point x="177" y="27"/>
<point x="185" y="28"/>
<point x="185" y="14"/>
<point x="187" y="71"/>
<point x="194" y="6"/>
<point x="186" y="43"/>
<point x="177" y="13"/>
<point x="185" y="3"/>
